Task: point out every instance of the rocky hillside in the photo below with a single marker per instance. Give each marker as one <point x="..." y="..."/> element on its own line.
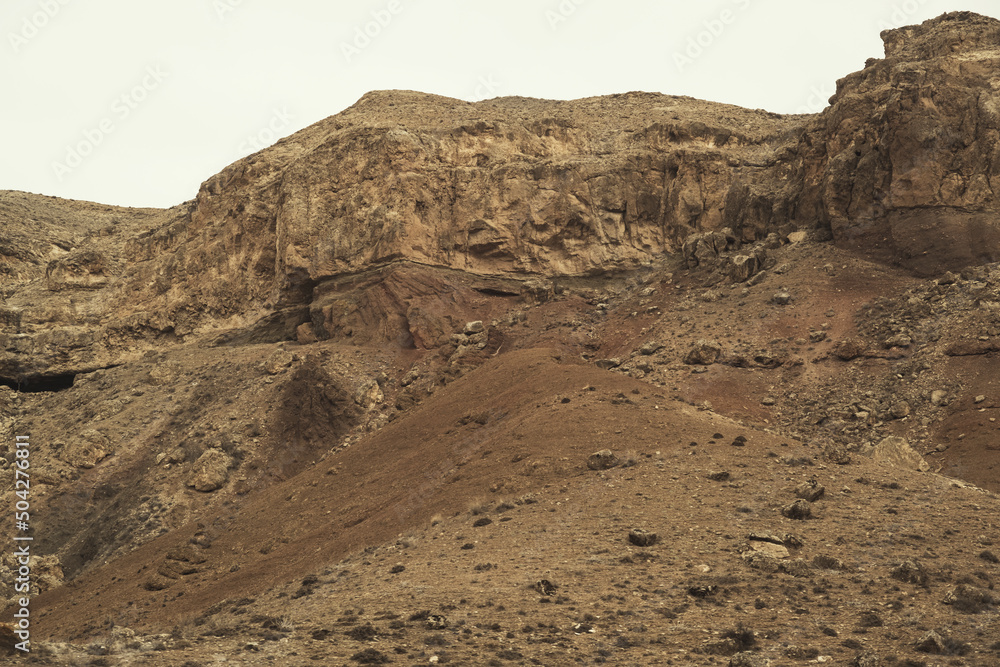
<point x="394" y="339"/>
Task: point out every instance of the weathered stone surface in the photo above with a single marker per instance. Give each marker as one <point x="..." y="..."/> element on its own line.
<point x="770" y="549"/>
<point x="278" y="361"/>
<point x="85" y="269"/>
<point x="210" y="471"/>
<point x="810" y="491"/>
<point x="749" y="659"/>
<point x="896" y="451"/>
<point x="642" y="538"/>
<point x="86" y="449"/>
<point x="849" y="349"/>
<point x="603" y="460"/>
<point x="705" y="352"/>
<point x="369" y="394"/>
<point x="910" y="572"/>
<point x="932" y="643"/>
<point x="799" y="510"/>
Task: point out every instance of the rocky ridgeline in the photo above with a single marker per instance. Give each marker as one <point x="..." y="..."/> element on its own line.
<point x="319" y="234"/>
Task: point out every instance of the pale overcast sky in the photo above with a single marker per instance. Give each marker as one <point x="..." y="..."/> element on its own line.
<point x="136" y="103"/>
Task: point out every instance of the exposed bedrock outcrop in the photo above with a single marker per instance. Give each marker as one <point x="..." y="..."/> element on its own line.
<point x="318" y="228"/>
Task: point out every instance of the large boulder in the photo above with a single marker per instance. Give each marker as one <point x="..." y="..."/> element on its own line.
<point x="896" y="451"/>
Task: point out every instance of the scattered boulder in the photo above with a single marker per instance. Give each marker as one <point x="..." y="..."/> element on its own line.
<point x="797" y="237"/>
<point x="749" y="659"/>
<point x="849" y="349"/>
<point x="836" y="453"/>
<point x="436" y="622"/>
<point x="545" y="587"/>
<point x="948" y="278"/>
<point x="761" y="561"/>
<point x="743" y="267"/>
<point x="938" y="397"/>
<point x="781" y="298"/>
<point x="642" y="538"/>
<point x="797" y="568"/>
<point x="896" y="451"/>
<point x="211" y="470"/>
<point x="932" y="643"/>
<point x="817" y="336"/>
<point x="538" y="290"/>
<point x="650" y="348"/>
<point x="278" y="361"/>
<point x="971" y="599"/>
<point x="828" y="563"/>
<point x="899" y="410"/>
<point x="705" y="247"/>
<point x="705" y="353"/>
<point x="899" y="340"/>
<point x="603" y="460"/>
<point x="910" y="572"/>
<point x="800" y="510"/>
<point x="87" y="449"/>
<point x="472" y="328"/>
<point x="770" y="549"/>
<point x="866" y="659"/>
<point x="702" y="590"/>
<point x="788" y="540"/>
<point x="369" y="394"/>
<point x="720" y="476"/>
<point x="608" y="364"/>
<point x="810" y="491"/>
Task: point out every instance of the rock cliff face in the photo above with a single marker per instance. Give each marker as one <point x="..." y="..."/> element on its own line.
<point x="906" y="157"/>
<point x="284" y="243"/>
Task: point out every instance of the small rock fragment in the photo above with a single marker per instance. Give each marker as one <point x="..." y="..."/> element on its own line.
<point x="810" y="491"/>
<point x="705" y="353"/>
<point x="603" y="460"/>
<point x="799" y="510"/>
<point x="437" y="622"/>
<point x="910" y="572"/>
<point x="931" y="643"/>
<point x="545" y="587"/>
<point x="781" y="298"/>
<point x="849" y="349"/>
<point x="749" y="659"/>
<point x="642" y="538"/>
<point x="899" y="410"/>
